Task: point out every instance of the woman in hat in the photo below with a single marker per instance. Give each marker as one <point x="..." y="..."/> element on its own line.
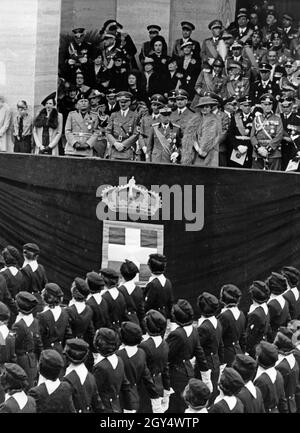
<point x="233" y="323"/>
<point x="150" y="83"/>
<point x="196" y="395"/>
<point x="11" y="272"/>
<point x="136" y="370"/>
<point x="200" y="143"/>
<point x="189" y="66"/>
<point x="277" y="304"/>
<point x="269" y="380"/>
<point x="157" y="351"/>
<point x="184" y="344"/>
<point x="54" y="320"/>
<point x="47" y="129"/>
<point x="292" y="295"/>
<point x="118" y="72"/>
<point x="97" y="77"/>
<point x="230" y="384"/>
<point x="134" y="85"/>
<point x="84" y="389"/>
<point x="22" y="129"/>
<point x="210" y="334"/>
<point x="7" y="346"/>
<point x="28" y="343"/>
<point x="110" y="374"/>
<point x="258" y="318"/>
<point x="15" y="384"/>
<point x="95" y="300"/>
<point x="51" y="394"/>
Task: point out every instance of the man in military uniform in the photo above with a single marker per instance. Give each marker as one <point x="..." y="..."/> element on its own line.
<point x="289" y="31"/>
<point x="271" y="26"/>
<point x="291" y="132"/>
<point x="266" y="136"/>
<point x="264" y="84"/>
<point x="122" y="131"/>
<point x="78" y="54"/>
<point x="236" y="56"/>
<point x="112" y="103"/>
<point x="164" y="139"/>
<point x="172" y="100"/>
<point x="187" y="29"/>
<point x="277" y="71"/>
<point x="183" y="114"/>
<point x="240" y="152"/>
<point x="237" y="85"/>
<point x="146" y="50"/>
<point x="81" y="129"/>
<point x="243" y="30"/>
<point x="209" y="50"/>
<point x="255" y="52"/>
<point x="225" y="122"/>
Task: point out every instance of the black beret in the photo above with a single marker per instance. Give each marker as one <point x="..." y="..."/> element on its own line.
<point x="76" y="350"/>
<point x="15" y="376"/>
<point x="33" y="248"/>
<point x="231" y="381"/>
<point x="95" y="281"/>
<point x="230" y="294"/>
<point x="196" y="393"/>
<point x="267" y="354"/>
<point x="11" y="255"/>
<point x="51" y="97"/>
<point x="245" y="365"/>
<point x="182" y="312"/>
<point x="155" y="322"/>
<point x="277" y="283"/>
<point x="291" y="274"/>
<point x="129" y="268"/>
<point x="50" y="364"/>
<point x="283" y="342"/>
<point x="157" y="262"/>
<point x="81" y="288"/>
<point x="208" y="304"/>
<point x="130" y="333"/>
<point x="106" y="341"/>
<point x="259" y="291"/>
<point x="4" y="312"/>
<point x="26" y="302"/>
<point x="109" y="273"/>
<point x="54" y="290"/>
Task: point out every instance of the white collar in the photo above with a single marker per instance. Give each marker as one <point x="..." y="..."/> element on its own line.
<point x="80" y="306"/>
<point x="20" y="397"/>
<point x="124" y="112"/>
<point x="295" y="292"/>
<point x="129" y="286"/>
<point x="290" y="359"/>
<point x="51" y="385"/>
<point x="173" y="326"/>
<point x="279" y="298"/>
<point x="79" y="369"/>
<point x="12" y="269"/>
<point x="251" y="388"/>
<point x="155" y="116"/>
<point x="32" y="263"/>
<point x="212" y="319"/>
<point x="254" y="306"/>
<point x="230" y="400"/>
<point x="114" y="292"/>
<point x="4" y="331"/>
<point x="234" y="310"/>
<point x="113" y="359"/>
<point x="130" y="350"/>
<point x="56" y="312"/>
<point x="28" y="318"/>
<point x="157" y="339"/>
<point x="191" y="410"/>
<point x="161" y="278"/>
<point x="188" y="329"/>
<point x="186" y="40"/>
<point x="96" y="296"/>
<point x="271" y="372"/>
<point x="265" y="82"/>
<point x="181" y="110"/>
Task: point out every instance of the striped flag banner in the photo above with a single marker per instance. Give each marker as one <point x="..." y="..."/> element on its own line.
<point x="133" y="241"/>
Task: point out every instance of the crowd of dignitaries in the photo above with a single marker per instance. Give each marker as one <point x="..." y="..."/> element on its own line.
<point x="110" y="345"/>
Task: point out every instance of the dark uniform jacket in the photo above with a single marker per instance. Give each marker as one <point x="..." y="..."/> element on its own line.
<point x="239" y="134"/>
<point x="252" y="400"/>
<point x="291" y="129"/>
<point x="233" y="333"/>
<point x="6" y="297"/>
<point x="183" y="118"/>
<point x="161" y="149"/>
<point x="258" y="322"/>
<point x="101" y="317"/>
<point x="81" y="323"/>
<point x="259" y="88"/>
<point x="289" y="370"/>
<point x="270" y="126"/>
<point x="60" y="401"/>
<point x="209" y="49"/>
<point x="85" y="395"/>
<point x="54" y="333"/>
<point x="11" y="406"/>
<point x="15" y="283"/>
<point x="222" y="407"/>
<point x="137" y="372"/>
<point x="117" y="310"/>
<point x="111" y="382"/>
<point x="272" y="392"/>
<point x="292" y="297"/>
<point x="7" y="352"/>
<point x="122" y="129"/>
<point x="237" y="88"/>
<point x="159" y="297"/>
<point x="135" y="304"/>
<point x="35" y="282"/>
<point x="190" y="75"/>
<point x="154" y="85"/>
<point x="279" y="316"/>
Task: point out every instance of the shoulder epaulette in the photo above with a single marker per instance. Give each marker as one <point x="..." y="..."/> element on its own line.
<point x="156" y="124"/>
<point x="175" y="124"/>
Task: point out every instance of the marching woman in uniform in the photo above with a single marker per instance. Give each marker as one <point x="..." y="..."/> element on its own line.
<point x="184" y="345"/>
<point x="110" y="374"/>
<point x="277" y="304"/>
<point x="95" y="300"/>
<point x="233" y="323"/>
<point x="210" y="334"/>
<point x="7" y="343"/>
<point x="136" y="370"/>
<point x="54" y="320"/>
<point x="84" y="389"/>
<point x="156" y="349"/>
<point x="292" y="293"/>
<point x="227" y="401"/>
<point x="28" y="343"/>
<point x="258" y="318"/>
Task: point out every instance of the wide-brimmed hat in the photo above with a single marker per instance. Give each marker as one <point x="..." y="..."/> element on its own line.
<point x="206" y="100"/>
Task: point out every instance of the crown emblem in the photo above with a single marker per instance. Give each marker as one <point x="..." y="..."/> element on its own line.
<point x="131" y="198"/>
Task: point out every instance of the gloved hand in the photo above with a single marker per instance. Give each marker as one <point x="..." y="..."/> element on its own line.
<point x="156" y="405"/>
<point x="71" y="62"/>
<point x="129" y="411"/>
<point x="165" y="400"/>
<point x="242" y="149"/>
<point x="80" y="146"/>
<point x="83" y="60"/>
<point x="174" y="156"/>
<point x="206" y="378"/>
<point x="262" y="151"/>
<point x="222" y="366"/>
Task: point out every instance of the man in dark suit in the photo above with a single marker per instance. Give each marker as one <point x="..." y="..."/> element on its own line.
<point x="112" y="103"/>
<point x="187" y="29"/>
<point x="242" y="30"/>
<point x="291" y="132"/>
<point x="264" y="84"/>
<point x="121" y="129"/>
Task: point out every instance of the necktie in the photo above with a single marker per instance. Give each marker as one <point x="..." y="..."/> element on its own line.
<point x="179" y="112"/>
<point x="20" y="127"/>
